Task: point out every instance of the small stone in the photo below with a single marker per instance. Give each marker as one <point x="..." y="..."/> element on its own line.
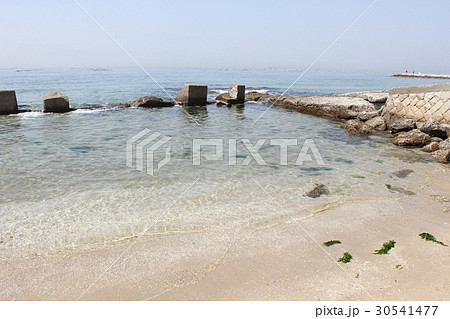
<point x="318" y="191"/>
<point x="432" y="147"/>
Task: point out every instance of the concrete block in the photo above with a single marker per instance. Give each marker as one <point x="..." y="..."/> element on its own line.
<point x="8" y="102"/>
<point x="56" y="102"/>
<point x="193" y="94"/>
<point x="237" y="92"/>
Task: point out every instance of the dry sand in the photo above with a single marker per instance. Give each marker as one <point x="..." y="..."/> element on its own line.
<point x="276" y="260"/>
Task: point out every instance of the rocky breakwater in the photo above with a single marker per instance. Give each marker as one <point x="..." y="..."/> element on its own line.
<point x="364" y="113"/>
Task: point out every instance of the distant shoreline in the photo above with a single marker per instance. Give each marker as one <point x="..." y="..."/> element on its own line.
<point x="423" y="76"/>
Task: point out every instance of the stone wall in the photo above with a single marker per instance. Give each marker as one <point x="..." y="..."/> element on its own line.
<point x="419" y="103"/>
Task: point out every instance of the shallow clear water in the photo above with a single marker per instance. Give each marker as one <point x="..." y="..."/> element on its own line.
<point x="65" y="181"/>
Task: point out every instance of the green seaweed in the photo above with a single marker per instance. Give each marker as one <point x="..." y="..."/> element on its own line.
<point x="345" y="258"/>
<point x="385" y="249"/>
<point x="332" y="242"/>
<point x="398" y="267"/>
<point x="429" y="237"/>
<point x="358" y="176"/>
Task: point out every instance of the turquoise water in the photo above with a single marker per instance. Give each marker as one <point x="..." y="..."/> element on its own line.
<point x="65" y="183"/>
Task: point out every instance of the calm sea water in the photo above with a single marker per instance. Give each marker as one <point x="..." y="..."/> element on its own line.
<point x="65" y="183"/>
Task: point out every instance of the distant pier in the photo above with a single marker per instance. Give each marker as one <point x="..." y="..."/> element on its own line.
<point x="423" y="76"/>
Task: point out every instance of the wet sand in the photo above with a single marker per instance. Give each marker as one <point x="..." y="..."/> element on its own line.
<point x="276" y="260"/>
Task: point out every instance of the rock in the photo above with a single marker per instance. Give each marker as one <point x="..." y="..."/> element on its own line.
<point x="432" y="147"/>
<point x="444" y="145"/>
<point x="339" y="107"/>
<point x="256" y="96"/>
<point x="356" y="127"/>
<point x="151" y="101"/>
<point x="365" y="116"/>
<point x="442" y="156"/>
<point x="403" y="126"/>
<point x="412" y="138"/>
<point x="403" y="173"/>
<point x="237" y="92"/>
<point x="122" y="105"/>
<point x="56" y="102"/>
<point x="8" y="102"/>
<point x="433" y="128"/>
<point x="193" y="94"/>
<point x="446" y="127"/>
<point x="318" y="191"/>
<point x="436" y="139"/>
<point x="377" y="123"/>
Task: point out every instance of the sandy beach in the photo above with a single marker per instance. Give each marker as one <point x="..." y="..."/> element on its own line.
<point x="281" y="259"/>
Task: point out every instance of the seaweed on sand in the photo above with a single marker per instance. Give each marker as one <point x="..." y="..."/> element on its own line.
<point x="332" y="242"/>
<point x="345" y="258"/>
<point x="385" y="249"/>
<point x="429" y="237"/>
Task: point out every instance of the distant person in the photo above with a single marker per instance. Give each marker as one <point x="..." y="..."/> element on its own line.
<point x="406" y="71"/>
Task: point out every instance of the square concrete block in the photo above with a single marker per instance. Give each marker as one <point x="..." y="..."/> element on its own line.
<point x="193" y="94"/>
<point x="8" y="102"/>
<point x="237" y="92"/>
<point x="56" y="102"/>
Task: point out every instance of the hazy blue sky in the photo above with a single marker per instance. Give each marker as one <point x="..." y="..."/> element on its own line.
<point x="395" y="35"/>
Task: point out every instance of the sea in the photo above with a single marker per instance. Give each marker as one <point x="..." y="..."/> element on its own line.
<point x="67" y="182"/>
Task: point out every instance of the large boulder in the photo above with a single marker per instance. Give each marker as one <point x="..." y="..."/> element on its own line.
<point x="442" y="156"/>
<point x="433" y="128"/>
<point x="56" y="102"/>
<point x="403" y="125"/>
<point x="193" y="94"/>
<point x="357" y="127"/>
<point x="412" y="138"/>
<point x="8" y="102"/>
<point x="151" y="101"/>
<point x="377" y="123"/>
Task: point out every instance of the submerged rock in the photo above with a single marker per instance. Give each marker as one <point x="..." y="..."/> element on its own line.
<point x="151" y="101"/>
<point x="412" y="138"/>
<point x="432" y="127"/>
<point x="403" y="173"/>
<point x="318" y="191"/>
<point x="357" y="127"/>
<point x="403" y="125"/>
<point x="377" y="123"/>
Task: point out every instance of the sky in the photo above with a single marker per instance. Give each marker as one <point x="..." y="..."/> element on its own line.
<point x="394" y="35"/>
